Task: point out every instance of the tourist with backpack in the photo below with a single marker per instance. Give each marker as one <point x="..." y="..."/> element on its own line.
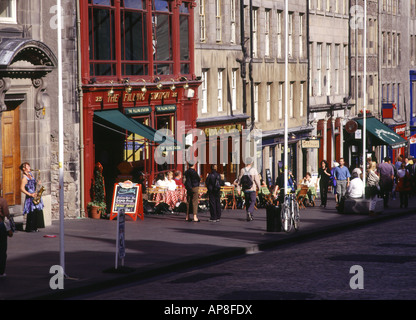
<point x="213" y="184"/>
<point x="249" y="181"/>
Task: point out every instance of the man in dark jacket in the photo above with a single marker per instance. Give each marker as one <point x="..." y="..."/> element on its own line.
<point x="192" y="181"/>
<point x="213" y="184"/>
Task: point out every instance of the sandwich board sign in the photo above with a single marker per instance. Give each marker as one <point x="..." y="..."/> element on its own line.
<point x="127" y="196"/>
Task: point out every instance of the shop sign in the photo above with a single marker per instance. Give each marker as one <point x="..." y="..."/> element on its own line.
<point x="138" y="111"/>
<point x="412" y="139"/>
<point x="166" y="109"/>
<point x="311" y="144"/>
<point x="214" y="131"/>
<point x="135" y="96"/>
<point x="400" y="130"/>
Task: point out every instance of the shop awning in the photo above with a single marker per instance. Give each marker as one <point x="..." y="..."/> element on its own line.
<point x="120" y="120"/>
<point x="382" y="133"/>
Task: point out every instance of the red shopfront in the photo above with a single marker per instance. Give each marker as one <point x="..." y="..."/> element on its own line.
<point x="138" y="59"/>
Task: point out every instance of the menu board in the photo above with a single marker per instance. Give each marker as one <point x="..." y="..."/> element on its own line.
<point x="127" y="196"/>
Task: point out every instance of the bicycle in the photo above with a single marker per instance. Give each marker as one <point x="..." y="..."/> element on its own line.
<point x="290" y="213"/>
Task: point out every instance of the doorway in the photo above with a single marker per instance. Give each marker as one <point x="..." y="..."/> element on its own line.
<point x="10" y="139"/>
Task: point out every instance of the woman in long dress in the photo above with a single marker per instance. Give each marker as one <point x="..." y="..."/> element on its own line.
<point x="34" y="212"/>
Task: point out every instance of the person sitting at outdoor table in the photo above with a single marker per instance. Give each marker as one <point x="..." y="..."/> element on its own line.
<point x="356" y="186"/>
<point x="307" y="180"/>
<point x="171" y="195"/>
<point x="161" y="181"/>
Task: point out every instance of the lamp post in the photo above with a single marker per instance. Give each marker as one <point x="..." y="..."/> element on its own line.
<point x="365" y="98"/>
<point x="285" y="156"/>
<point x="61" y="142"/>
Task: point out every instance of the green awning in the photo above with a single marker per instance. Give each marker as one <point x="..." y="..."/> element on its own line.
<point x="120" y="120"/>
<point x="383" y="134"/>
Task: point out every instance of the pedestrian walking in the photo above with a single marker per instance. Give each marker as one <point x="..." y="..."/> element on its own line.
<point x="249" y="181"/>
<point x="192" y="181"/>
<point x="213" y="184"/>
<point x="403" y="185"/>
<point x="386" y="172"/>
<point x="373" y="186"/>
<point x="5" y="232"/>
<point x="324" y="176"/>
<point x="342" y="176"/>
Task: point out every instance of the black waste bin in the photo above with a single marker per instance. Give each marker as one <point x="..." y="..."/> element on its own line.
<point x="274" y="223"/>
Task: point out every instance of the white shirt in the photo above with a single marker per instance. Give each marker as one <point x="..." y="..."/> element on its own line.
<point x="355" y="189"/>
<point x="161" y="183"/>
<point x="171" y="184"/>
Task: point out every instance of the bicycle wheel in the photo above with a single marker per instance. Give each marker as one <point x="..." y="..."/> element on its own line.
<point x="285" y="217"/>
<point x="295" y="216"/>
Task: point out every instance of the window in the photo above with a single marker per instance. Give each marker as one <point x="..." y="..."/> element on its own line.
<point x="8" y="11"/>
<point x="204" y="91"/>
<point x="301" y="36"/>
<point x="336" y="69"/>
<point x="280" y="100"/>
<point x="136" y="146"/>
<point x="267" y="33"/>
<point x="268" y="102"/>
<point x="234" y="89"/>
<point x="279" y="34"/>
<point x="218" y="20"/>
<point x="291" y="88"/>
<point x="319" y="68"/>
<point x="254" y="35"/>
<point x="220" y="90"/>
<point x="328" y="69"/>
<point x="256" y="102"/>
<point x="233" y="21"/>
<point x="162" y="37"/>
<point x="301" y="99"/>
<point x="185" y="56"/>
<point x="290" y="35"/>
<point x="102" y="38"/>
<point x="202" y="29"/>
<point x="133" y="38"/>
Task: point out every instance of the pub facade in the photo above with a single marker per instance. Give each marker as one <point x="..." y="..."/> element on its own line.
<point x="137" y="78"/>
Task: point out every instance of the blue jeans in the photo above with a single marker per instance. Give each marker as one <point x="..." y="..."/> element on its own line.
<point x="250" y="197"/>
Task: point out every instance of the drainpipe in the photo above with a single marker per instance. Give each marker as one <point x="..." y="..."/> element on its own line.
<point x="81" y="113"/>
<point x="243" y="72"/>
<point x="251" y="66"/>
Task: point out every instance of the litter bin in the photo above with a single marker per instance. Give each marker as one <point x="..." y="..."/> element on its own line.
<point x="274" y="223"/>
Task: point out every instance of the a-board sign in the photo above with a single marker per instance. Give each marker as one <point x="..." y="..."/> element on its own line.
<point x="128" y="196"/>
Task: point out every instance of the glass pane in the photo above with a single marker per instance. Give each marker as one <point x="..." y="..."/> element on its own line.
<point x="184" y="8"/>
<point x="5" y="9"/>
<point x="161" y="5"/>
<point x="163" y="69"/>
<point x="133" y="38"/>
<point x="134" y="4"/>
<point x="162" y="38"/>
<point x="134" y="69"/>
<point x="103" y="2"/>
<point x="185" y="68"/>
<point x="102" y="34"/>
<point x="103" y="69"/>
<point x="184" y="38"/>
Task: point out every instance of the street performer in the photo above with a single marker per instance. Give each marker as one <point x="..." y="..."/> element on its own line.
<point x="34" y="212"/>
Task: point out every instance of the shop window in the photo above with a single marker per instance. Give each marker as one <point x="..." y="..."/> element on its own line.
<point x="136" y="146"/>
<point x="165" y="122"/>
<point x="102" y="37"/>
<point x="8" y="11"/>
<point x="134" y="37"/>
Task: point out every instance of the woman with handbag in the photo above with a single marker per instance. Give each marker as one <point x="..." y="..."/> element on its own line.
<point x="403" y="185"/>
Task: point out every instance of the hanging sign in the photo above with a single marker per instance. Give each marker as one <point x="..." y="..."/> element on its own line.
<point x="127" y="196"/>
<point x="311" y="144"/>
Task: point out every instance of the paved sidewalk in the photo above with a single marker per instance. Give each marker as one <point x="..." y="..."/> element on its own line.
<point x="159" y="244"/>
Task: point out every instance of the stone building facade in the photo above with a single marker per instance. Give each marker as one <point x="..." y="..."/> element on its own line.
<point x="244" y="85"/>
<point x="29" y="104"/>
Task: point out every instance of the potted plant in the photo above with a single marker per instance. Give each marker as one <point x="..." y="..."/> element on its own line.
<point x="97" y="207"/>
